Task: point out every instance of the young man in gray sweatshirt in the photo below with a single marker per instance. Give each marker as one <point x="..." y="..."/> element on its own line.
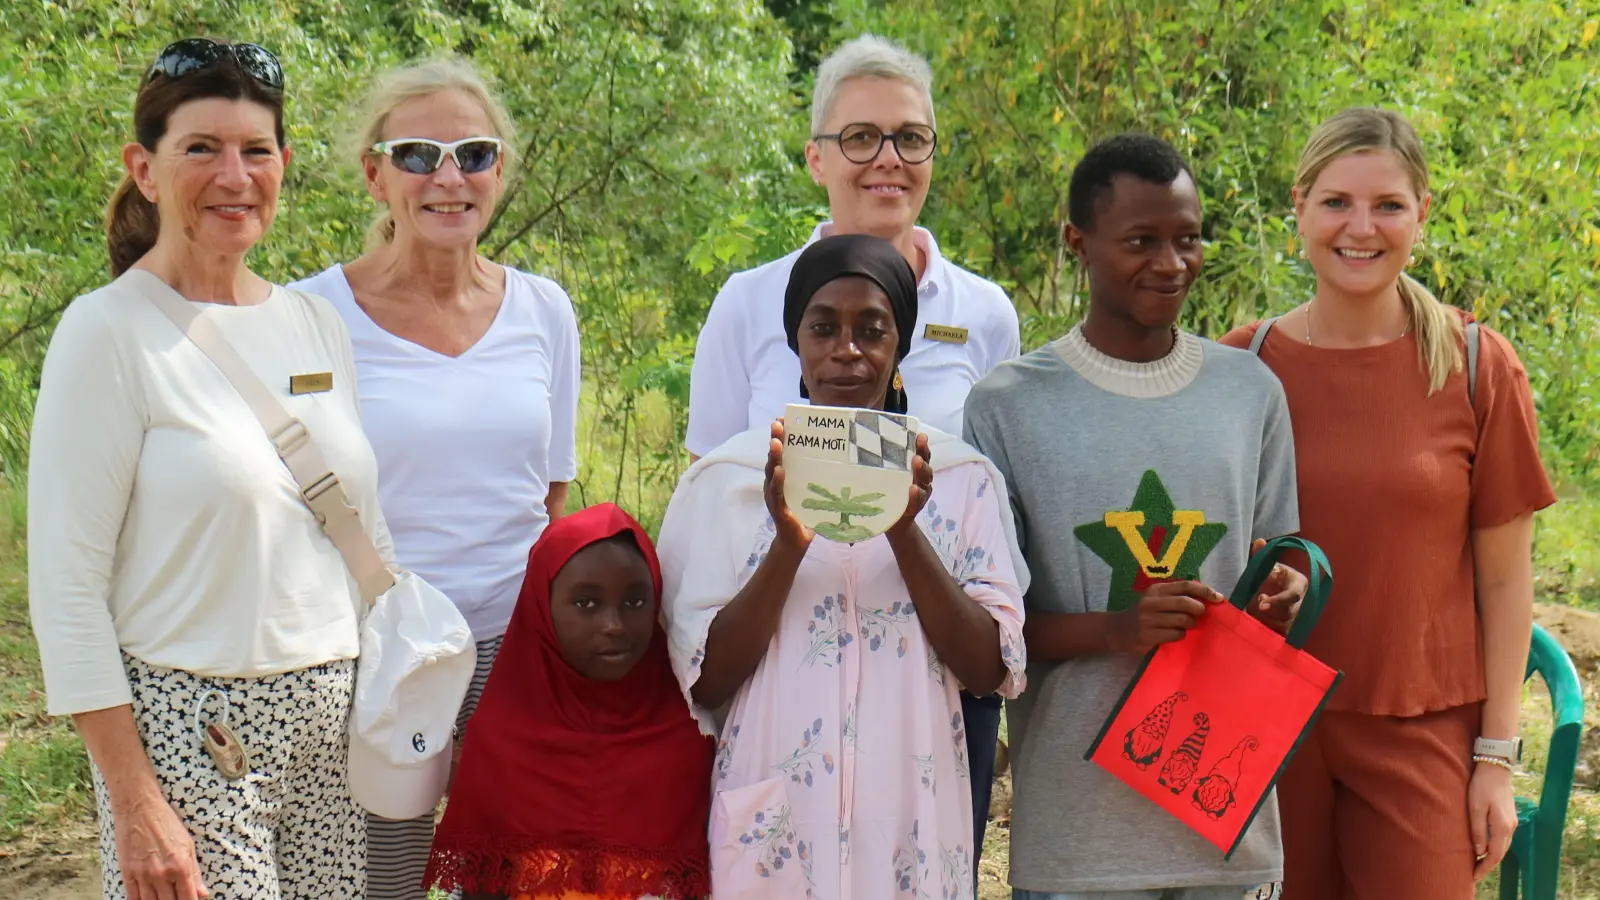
<point x="1142" y="461"/>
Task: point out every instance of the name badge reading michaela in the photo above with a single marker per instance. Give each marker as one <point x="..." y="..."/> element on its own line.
<point x="318" y="383"/>
<point x="949" y="334"/>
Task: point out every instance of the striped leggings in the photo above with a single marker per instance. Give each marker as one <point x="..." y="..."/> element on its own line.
<point x="397" y="850"/>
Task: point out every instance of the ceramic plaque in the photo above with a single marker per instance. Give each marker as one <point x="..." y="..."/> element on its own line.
<point x="847" y="472"/>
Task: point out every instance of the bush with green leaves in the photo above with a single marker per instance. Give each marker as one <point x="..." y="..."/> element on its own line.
<point x="1505" y="95"/>
<point x="661" y="142"/>
<point x="639" y="123"/>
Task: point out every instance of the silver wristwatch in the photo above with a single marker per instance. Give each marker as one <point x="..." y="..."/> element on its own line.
<point x="1511" y="750"/>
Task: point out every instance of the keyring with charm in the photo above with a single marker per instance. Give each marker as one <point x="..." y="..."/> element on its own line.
<point x="219" y="741"/>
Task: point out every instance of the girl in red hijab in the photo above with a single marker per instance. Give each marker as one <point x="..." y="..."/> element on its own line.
<point x="582" y="775"/>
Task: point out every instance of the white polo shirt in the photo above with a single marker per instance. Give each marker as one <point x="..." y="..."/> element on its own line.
<point x="744" y="372"/>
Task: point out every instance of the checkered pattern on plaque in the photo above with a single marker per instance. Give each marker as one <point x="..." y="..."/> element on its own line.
<point x="882" y="441"/>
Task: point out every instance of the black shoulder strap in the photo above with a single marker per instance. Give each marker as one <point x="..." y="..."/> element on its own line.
<point x="1472" y="363"/>
<point x="1261" y="335"/>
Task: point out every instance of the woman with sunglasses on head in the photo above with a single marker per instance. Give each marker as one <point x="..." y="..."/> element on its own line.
<point x="872" y="148"/>
<point x="191" y="615"/>
<point x="468" y="373"/>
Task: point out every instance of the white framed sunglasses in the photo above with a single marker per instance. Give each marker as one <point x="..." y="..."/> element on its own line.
<point x="421" y="156"/>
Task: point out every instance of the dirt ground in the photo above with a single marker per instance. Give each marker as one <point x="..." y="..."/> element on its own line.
<point x="60" y="865"/>
<point x="63" y="863"/>
<point x="1578" y="631"/>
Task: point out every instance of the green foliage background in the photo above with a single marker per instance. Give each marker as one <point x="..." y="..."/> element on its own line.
<point x="661" y="142"/>
<point x="1506" y="96"/>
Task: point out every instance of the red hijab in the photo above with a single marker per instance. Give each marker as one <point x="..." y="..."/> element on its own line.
<point x="572" y="785"/>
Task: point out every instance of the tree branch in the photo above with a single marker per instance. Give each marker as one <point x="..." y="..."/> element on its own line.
<point x="603" y="175"/>
<point x="534" y="148"/>
<point x="35" y="320"/>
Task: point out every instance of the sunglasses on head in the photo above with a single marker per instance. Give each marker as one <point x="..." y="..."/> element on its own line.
<point x="193" y="54"/>
<point x="421" y="156"/>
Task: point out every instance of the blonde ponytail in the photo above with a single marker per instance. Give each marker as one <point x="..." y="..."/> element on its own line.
<point x="1439" y="332"/>
<point x="1366" y="130"/>
<point x="132" y="225"/>
<point x="381" y="231"/>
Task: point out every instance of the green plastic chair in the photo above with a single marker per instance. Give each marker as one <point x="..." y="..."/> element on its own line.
<point x="1534" y="862"/>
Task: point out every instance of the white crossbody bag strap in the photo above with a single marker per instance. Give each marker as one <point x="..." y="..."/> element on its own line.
<point x="319" y="484"/>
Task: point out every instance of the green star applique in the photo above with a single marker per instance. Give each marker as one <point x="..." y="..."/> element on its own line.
<point x="1150" y="542"/>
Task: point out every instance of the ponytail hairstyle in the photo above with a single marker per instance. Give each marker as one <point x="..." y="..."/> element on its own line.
<point x="1368" y="130"/>
<point x="132" y="222"/>
<point x="395" y="88"/>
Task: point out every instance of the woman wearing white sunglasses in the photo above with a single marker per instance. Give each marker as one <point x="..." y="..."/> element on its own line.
<point x="468" y="375"/>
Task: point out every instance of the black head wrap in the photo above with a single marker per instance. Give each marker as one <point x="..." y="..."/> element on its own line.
<point x="867" y="257"/>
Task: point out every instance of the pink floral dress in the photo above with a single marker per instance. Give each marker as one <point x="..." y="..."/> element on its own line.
<point x="841" y="769"/>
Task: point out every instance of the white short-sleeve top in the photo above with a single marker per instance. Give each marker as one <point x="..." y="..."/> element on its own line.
<point x="744" y="372"/>
<point x="468" y="446"/>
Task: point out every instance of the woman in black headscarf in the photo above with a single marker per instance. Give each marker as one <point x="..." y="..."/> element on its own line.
<point x="845" y="270"/>
<point x="833" y="685"/>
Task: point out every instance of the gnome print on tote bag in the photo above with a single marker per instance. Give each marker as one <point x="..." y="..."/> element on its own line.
<point x="1215" y="794"/>
<point x="1144" y="741"/>
<point x="1185" y="761"/>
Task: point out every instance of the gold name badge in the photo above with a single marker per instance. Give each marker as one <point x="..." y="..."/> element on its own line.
<point x="949" y="334"/>
<point x="311" y="384"/>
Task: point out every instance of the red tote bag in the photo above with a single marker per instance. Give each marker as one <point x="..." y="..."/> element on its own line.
<point x="1209" y="722"/>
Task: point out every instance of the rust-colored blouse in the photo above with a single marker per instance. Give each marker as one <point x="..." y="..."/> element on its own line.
<point x="1392" y="483"/>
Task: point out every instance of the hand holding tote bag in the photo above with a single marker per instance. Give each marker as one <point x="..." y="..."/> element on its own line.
<point x="417" y="653"/>
<point x="1209" y="722"/>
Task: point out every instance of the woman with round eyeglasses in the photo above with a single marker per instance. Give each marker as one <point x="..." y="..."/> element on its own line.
<point x="468" y="376"/>
<point x="191" y="614"/>
<point x="872" y="149"/>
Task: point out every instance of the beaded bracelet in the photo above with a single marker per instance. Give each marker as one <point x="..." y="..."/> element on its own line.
<point x="1494" y="761"/>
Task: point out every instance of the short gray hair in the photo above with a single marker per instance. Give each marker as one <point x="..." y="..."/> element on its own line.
<point x="867" y="56"/>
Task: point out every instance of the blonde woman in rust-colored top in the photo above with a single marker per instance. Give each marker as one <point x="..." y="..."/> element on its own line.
<point x="1423" y="497"/>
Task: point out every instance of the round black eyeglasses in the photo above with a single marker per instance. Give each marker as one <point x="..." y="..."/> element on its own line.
<point x="862" y="142"/>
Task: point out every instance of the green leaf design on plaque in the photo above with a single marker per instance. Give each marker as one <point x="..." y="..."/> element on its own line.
<point x="844" y="504"/>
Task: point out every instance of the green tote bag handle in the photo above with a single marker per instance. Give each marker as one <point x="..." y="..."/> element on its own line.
<point x="1320" y="578"/>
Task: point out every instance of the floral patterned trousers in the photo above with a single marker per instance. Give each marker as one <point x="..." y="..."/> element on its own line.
<point x="288" y="829"/>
